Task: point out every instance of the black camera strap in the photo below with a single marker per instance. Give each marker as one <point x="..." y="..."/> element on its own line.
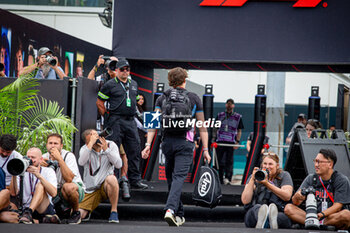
<point x="97" y="170"/>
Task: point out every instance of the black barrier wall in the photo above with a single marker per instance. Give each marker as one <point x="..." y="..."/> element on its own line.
<point x="303" y="150"/>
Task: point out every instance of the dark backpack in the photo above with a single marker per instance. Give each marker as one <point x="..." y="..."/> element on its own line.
<point x="2" y="179"/>
<point x="176" y="108"/>
<point x="207" y="192"/>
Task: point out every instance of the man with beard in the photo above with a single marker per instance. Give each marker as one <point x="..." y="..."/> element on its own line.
<point x="40" y="185"/>
<point x="42" y="69"/>
<point x="70" y="187"/>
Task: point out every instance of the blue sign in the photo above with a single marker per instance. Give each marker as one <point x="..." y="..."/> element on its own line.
<point x="151" y="120"/>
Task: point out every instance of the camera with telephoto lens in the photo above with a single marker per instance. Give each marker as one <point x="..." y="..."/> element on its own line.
<point x="261" y="174"/>
<point x="52" y="164"/>
<point x="111" y="64"/>
<point x="52" y="61"/>
<point x="311" y="220"/>
<point x="2" y="66"/>
<point x="18" y="166"/>
<point x="105" y="133"/>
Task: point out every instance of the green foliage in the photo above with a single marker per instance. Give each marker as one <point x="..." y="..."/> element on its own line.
<point x="30" y="117"/>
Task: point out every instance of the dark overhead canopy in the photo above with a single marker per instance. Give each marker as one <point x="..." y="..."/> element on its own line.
<point x="260" y="35"/>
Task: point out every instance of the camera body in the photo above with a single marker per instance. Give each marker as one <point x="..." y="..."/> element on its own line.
<point x="104" y="133"/>
<point x="311" y="220"/>
<point x="52" y="61"/>
<point x="52" y="164"/>
<point x="110" y="64"/>
<point x="261" y="174"/>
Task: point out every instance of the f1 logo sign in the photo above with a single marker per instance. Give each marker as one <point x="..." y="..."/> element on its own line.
<point x="238" y="3"/>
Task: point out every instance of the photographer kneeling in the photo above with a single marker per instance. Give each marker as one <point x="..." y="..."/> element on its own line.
<point x="265" y="197"/>
<point x="99" y="157"/>
<point x="331" y="190"/>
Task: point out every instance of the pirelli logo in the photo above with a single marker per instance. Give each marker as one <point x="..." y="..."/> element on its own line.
<point x="239" y="3"/>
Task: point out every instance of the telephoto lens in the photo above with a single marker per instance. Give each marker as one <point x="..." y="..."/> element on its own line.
<point x="52" y="61"/>
<point x="111" y="64"/>
<point x="261" y="174"/>
<point x="18" y="166"/>
<point x="311" y="220"/>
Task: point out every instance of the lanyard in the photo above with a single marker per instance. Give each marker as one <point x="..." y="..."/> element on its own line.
<point x="330" y="197"/>
<point x="5" y="161"/>
<point x="31" y="176"/>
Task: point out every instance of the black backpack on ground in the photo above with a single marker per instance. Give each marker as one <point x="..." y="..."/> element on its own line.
<point x="207" y="192"/>
<point x="176" y="108"/>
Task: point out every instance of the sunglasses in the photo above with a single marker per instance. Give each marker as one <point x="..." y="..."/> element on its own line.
<point x="124" y="68"/>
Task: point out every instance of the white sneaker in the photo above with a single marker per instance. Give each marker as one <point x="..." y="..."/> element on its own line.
<point x="273" y="213"/>
<point x="180" y="220"/>
<point x="262" y="216"/>
<point x="169" y="217"/>
<point x="226" y="181"/>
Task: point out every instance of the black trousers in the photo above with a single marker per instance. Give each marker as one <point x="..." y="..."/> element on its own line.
<point x="178" y="159"/>
<point x="125" y="132"/>
<point x="225" y="158"/>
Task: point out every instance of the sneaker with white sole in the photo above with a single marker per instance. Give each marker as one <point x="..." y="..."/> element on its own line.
<point x="113" y="218"/>
<point x="170" y="218"/>
<point x="262" y="216"/>
<point x="226" y="181"/>
<point x="87" y="217"/>
<point x="273" y="213"/>
<point x="180" y="220"/>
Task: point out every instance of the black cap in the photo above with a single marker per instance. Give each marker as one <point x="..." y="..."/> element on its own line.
<point x="43" y="50"/>
<point x="122" y="63"/>
<point x="302" y="116"/>
<point x="230" y="100"/>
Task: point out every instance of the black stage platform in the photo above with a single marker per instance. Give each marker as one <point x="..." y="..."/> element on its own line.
<point x="157" y="194"/>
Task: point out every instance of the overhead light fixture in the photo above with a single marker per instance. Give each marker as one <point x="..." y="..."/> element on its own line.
<point x="106" y="15"/>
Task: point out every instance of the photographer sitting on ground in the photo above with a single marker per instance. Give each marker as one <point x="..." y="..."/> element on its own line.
<point x="99" y="157"/>
<point x="5" y="214"/>
<point x="45" y="67"/>
<point x="332" y="192"/>
<point x="265" y="197"/>
<point x="70" y="187"/>
<point x="40" y="185"/>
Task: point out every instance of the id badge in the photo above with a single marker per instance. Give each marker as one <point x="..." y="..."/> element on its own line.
<point x="128" y="102"/>
<point x="324" y="207"/>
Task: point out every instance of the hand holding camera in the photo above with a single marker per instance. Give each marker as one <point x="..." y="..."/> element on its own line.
<point x="262" y="175"/>
<point x="34" y="170"/>
<point x="55" y="154"/>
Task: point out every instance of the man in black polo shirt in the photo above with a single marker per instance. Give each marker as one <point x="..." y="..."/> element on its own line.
<point x="178" y="146"/>
<point x="121" y="94"/>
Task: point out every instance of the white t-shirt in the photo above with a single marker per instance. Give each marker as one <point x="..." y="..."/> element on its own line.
<point x="4" y="162"/>
<point x="31" y="180"/>
<point x="72" y="165"/>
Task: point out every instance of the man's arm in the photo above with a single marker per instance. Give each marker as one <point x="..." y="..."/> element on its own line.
<point x="93" y="71"/>
<point x="13" y="186"/>
<point x="101" y="106"/>
<point x="67" y="174"/>
<point x="150" y="136"/>
<point x="112" y="152"/>
<point x="28" y="69"/>
<point x="336" y="207"/>
<point x="204" y="136"/>
<point x="58" y="71"/>
<point x="298" y="198"/>
<point x="50" y="189"/>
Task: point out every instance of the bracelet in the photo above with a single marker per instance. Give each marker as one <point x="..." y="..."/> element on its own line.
<point x="147" y="144"/>
<point x="205" y="149"/>
<point x="323" y="217"/>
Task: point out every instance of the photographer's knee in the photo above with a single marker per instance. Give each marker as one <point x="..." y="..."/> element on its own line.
<point x="288" y="209"/>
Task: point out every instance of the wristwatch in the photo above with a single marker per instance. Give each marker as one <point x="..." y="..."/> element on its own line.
<point x="147" y="144"/>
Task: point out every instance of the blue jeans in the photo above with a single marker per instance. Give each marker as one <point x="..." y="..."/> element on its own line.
<point x="178" y="159"/>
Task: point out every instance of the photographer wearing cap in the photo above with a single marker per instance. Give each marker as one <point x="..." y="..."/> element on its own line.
<point x="70" y="187"/>
<point x="45" y="67"/>
<point x="332" y="192"/>
<point x="121" y="94"/>
<point x="266" y="196"/>
<point x="99" y="157"/>
<point x="39" y="186"/>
